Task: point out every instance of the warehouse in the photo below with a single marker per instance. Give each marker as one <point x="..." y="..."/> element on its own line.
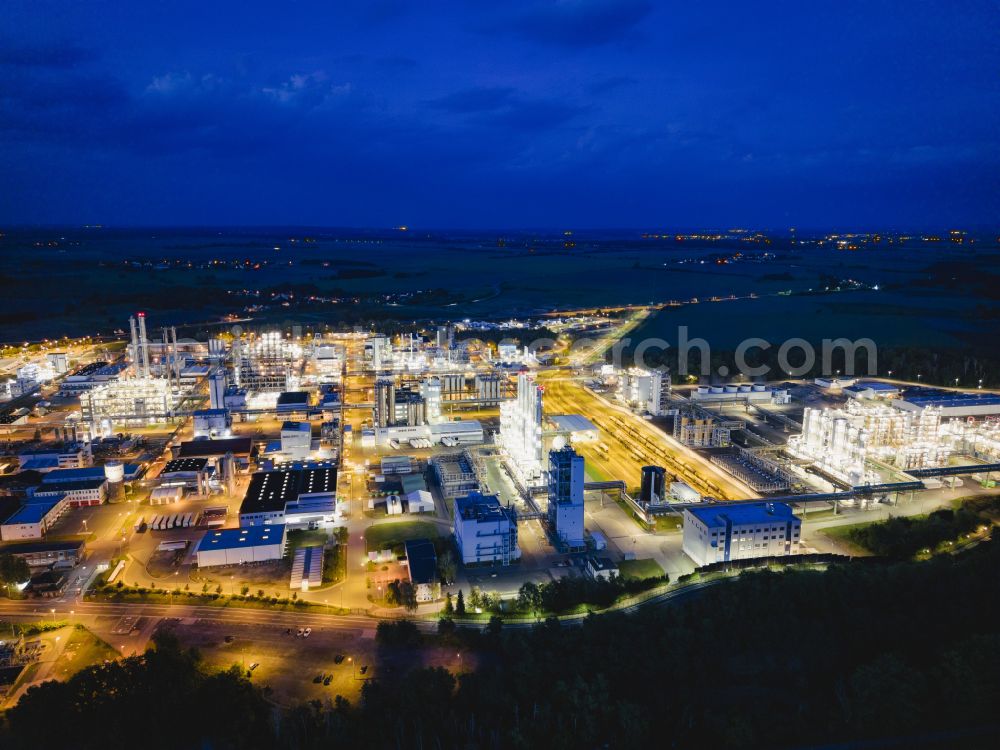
<point x="272" y="495"/>
<point x="239" y="546"/>
<point x="33" y="519"/>
<point x="950" y="403"/>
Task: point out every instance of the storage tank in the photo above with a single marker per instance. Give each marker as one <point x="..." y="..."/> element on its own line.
<point x="114" y="472"/>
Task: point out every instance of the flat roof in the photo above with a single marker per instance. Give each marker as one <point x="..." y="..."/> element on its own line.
<point x="269" y="491"/>
<point x="458" y="425"/>
<point x="572" y="423"/>
<point x="315" y="480"/>
<point x="421" y="558"/>
<point x="236" y="446"/>
<point x="34" y="510"/>
<point x="27" y="548"/>
<point x="480" y="507"/>
<point x="739" y="514"/>
<point x="179" y="465"/>
<point x="602" y="563"/>
<point x="873" y="385"/>
<point x="211" y="412"/>
<point x="946" y="399"/>
<point x="293" y="398"/>
<point x="35" y="464"/>
<point x="296" y="427"/>
<point x="73" y="475"/>
<point x="80" y="484"/>
<point x="250" y="536"/>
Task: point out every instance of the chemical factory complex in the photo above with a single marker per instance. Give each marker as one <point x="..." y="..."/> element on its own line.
<point x="335" y="468"/>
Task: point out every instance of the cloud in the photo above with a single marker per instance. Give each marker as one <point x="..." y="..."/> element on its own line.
<point x="580" y="23"/>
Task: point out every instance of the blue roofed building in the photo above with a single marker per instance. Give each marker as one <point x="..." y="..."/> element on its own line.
<point x="34" y="519"/>
<point x="722" y="532"/>
<point x="244" y="545"/>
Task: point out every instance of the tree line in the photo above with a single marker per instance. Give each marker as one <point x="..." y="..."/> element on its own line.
<point x="904" y="653"/>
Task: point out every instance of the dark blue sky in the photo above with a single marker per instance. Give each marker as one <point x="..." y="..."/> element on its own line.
<point x="575" y="113"/>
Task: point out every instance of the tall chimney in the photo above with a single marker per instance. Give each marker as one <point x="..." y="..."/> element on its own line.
<point x="144" y="345"/>
<point x="135" y="347"/>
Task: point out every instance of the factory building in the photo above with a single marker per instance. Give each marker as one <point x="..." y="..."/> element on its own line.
<point x="743" y="531"/>
<point x="756" y="393"/>
<point x="34" y="518"/>
<point x="68" y="455"/>
<point x="51" y="555"/>
<point x="298" y="497"/>
<point x="217" y="389"/>
<point x="193" y="474"/>
<point x="79" y="494"/>
<point x="430" y="392"/>
<point x="58" y="361"/>
<point x="240" y="546"/>
<point x="949" y="404"/>
<point x="242" y="449"/>
<point x="131" y="402"/>
<point x="565" y="508"/>
<point x="648" y="390"/>
<point x="449" y="434"/>
<point x="485" y="531"/>
<point x="521" y="431"/>
<point x="90" y="376"/>
<point x="212" y="423"/>
<point x="296" y="440"/>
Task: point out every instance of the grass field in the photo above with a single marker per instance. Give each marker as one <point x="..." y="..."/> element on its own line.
<point x="83" y="650"/>
<point x="839" y="534"/>
<point x="387" y="535"/>
<point x="640" y="569"/>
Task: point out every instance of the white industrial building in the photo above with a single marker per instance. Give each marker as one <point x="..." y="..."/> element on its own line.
<point x="521" y="431"/>
<point x="79" y="494"/>
<point x="565" y="508"/>
<point x="212" y="423"/>
<point x="296" y="440"/>
<point x="757" y="393"/>
<point x="740" y="531"/>
<point x="485" y="531"/>
<point x="70" y="455"/>
<point x="449" y="434"/>
<point x="648" y="390"/>
<point x="243" y="545"/>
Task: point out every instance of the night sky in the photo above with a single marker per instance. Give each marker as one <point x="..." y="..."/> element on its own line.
<point x="567" y="114"/>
